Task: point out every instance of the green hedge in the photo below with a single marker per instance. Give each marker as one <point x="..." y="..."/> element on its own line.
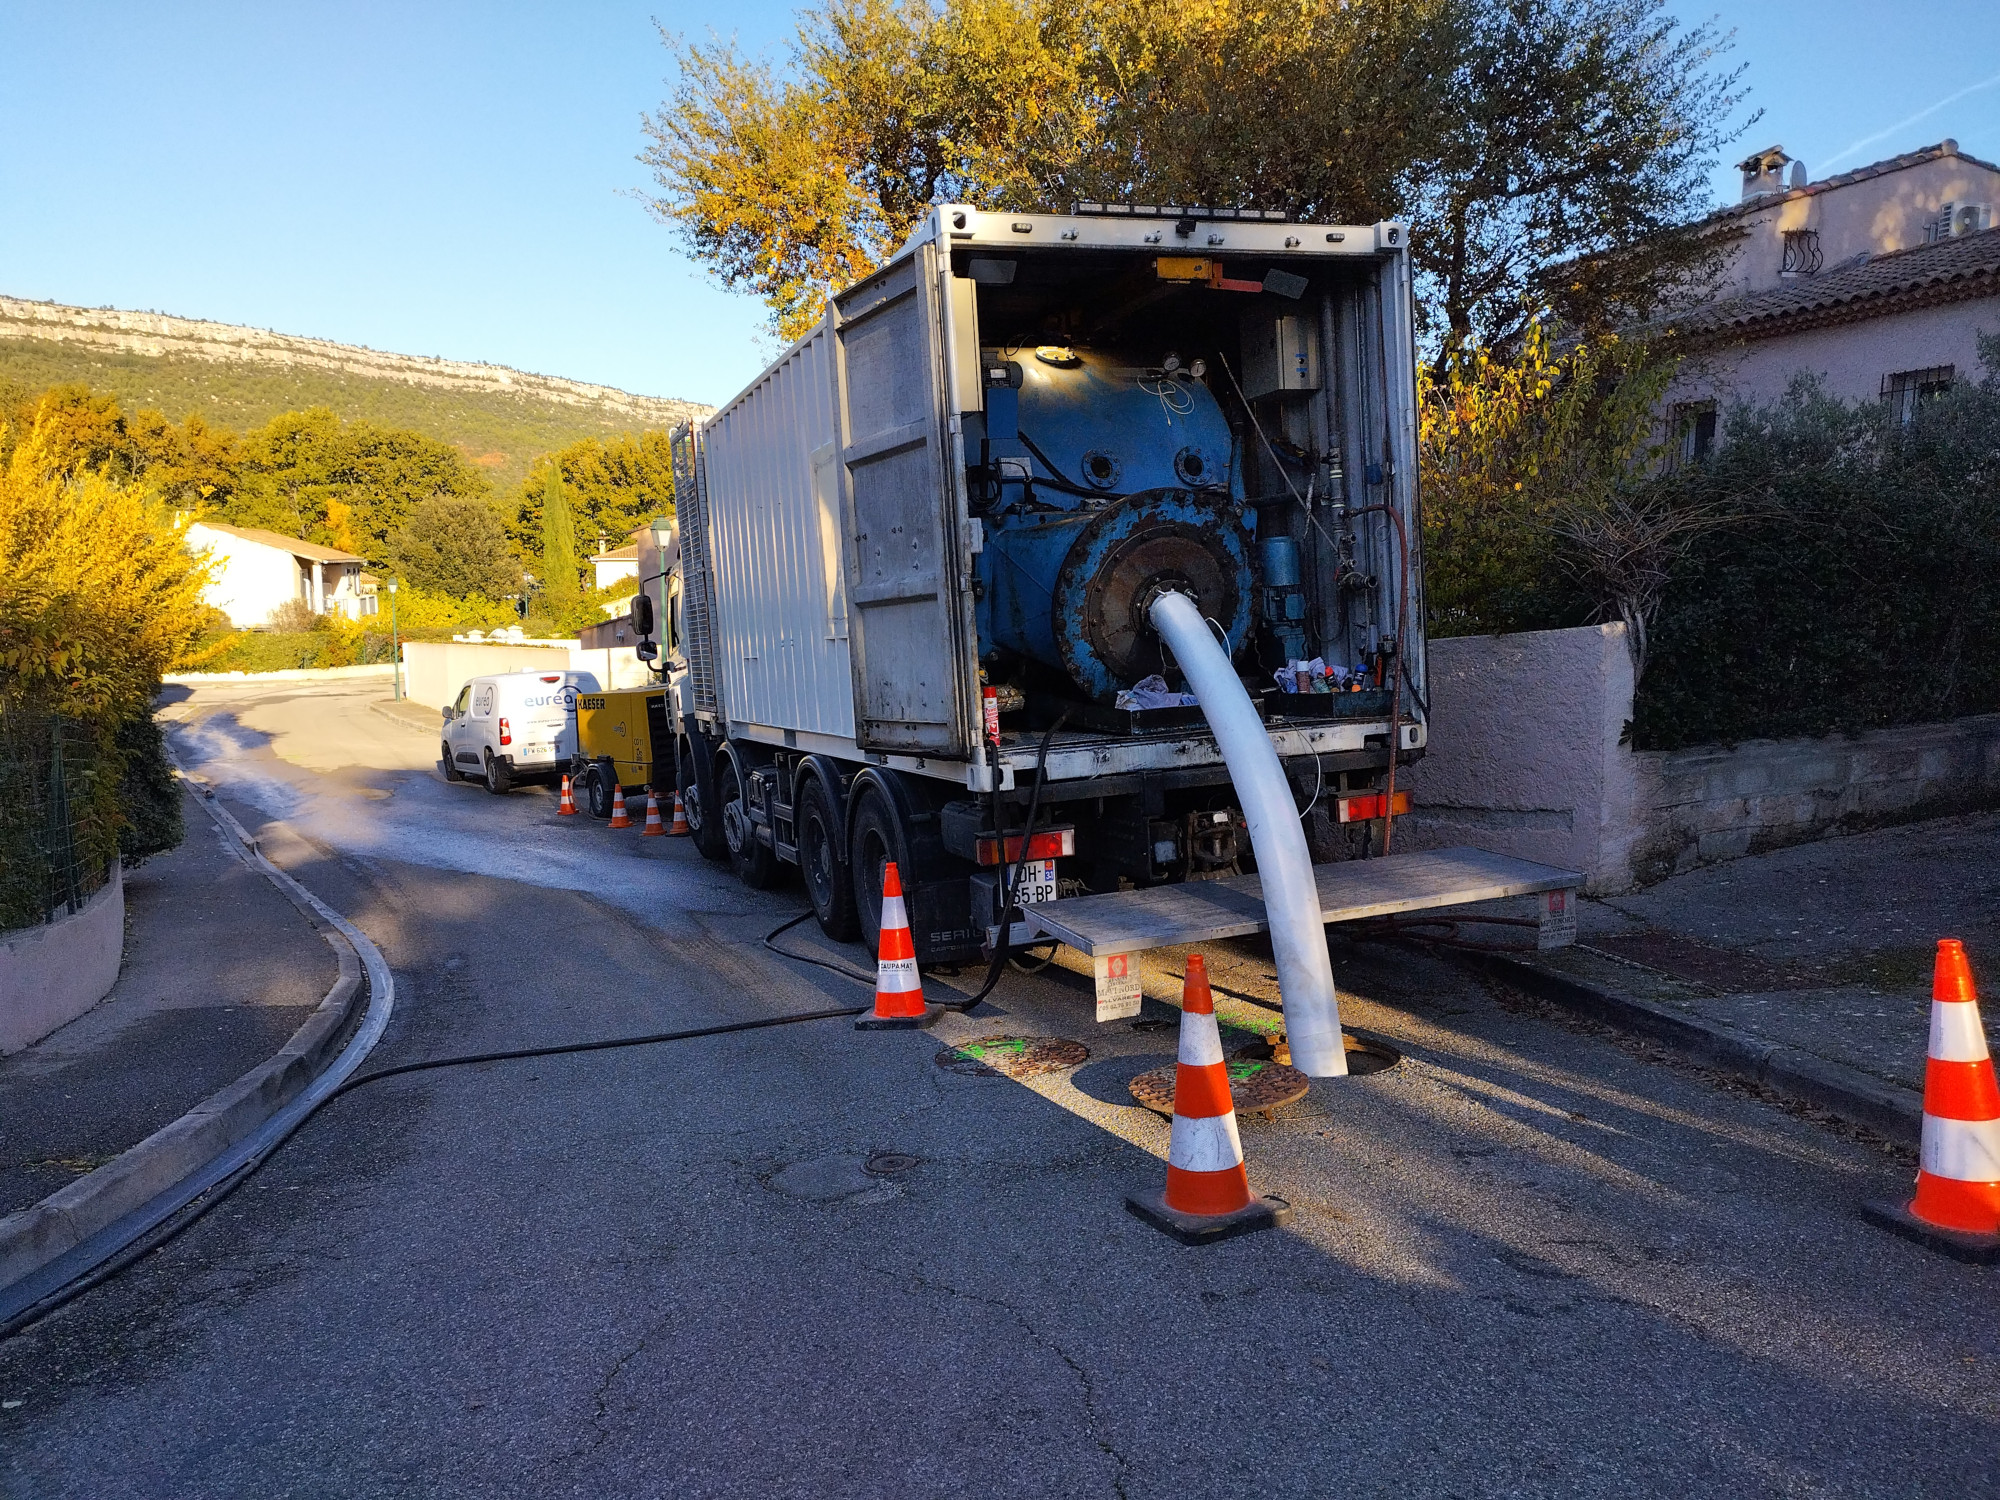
<point x="1857" y="587"/>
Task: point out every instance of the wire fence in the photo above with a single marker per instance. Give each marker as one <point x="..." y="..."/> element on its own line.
<point x="55" y="848"/>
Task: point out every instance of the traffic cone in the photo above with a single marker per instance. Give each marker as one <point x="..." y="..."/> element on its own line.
<point x="654" y="828"/>
<point x="1957" y="1204"/>
<point x="899" y="989"/>
<point x="618" y="817"/>
<point x="680" y="828"/>
<point x="1208" y="1195"/>
<point x="567" y="807"/>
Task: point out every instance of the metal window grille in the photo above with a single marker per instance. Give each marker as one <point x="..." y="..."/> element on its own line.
<point x="52" y="857"/>
<point x="1905" y="390"/>
<point x="1802" y="255"/>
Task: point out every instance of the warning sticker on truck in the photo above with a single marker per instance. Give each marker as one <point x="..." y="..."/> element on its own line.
<point x="1118" y="992"/>
<point x="1558" y="926"/>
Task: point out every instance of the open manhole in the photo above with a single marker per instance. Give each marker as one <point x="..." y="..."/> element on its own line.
<point x="1013" y="1056"/>
<point x="889" y="1164"/>
<point x="1365" y="1055"/>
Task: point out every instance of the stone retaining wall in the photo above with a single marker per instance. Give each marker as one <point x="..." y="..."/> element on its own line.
<point x="1527" y="757"/>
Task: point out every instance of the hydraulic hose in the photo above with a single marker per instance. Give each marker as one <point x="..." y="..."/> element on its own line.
<point x="1008" y="888"/>
<point x="1402" y="671"/>
<point x="1291" y="895"/>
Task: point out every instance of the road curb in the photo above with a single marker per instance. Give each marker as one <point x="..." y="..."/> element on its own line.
<point x="395" y="718"/>
<point x="36" y="1236"/>
<point x="1840" y="1090"/>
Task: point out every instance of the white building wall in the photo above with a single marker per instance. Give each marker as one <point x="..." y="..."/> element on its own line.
<point x="249" y="579"/>
<point x="1850" y="358"/>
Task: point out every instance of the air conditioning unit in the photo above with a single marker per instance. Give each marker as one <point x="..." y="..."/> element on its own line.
<point x="1955" y="219"/>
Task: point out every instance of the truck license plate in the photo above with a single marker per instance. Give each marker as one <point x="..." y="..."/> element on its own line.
<point x="1038" y="882"/>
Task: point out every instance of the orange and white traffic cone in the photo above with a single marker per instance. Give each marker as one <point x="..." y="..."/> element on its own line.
<point x="1957" y="1204"/>
<point x="1208" y="1193"/>
<point x="619" y="819"/>
<point x="567" y="807"/>
<point x="680" y="828"/>
<point x="654" y="828"/>
<point x="899" y="989"/>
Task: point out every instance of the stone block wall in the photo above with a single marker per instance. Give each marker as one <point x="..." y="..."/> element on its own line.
<point x="1527" y="757"/>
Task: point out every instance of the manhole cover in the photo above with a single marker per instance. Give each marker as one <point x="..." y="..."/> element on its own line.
<point x="889" y="1164"/>
<point x="1013" y="1056"/>
<point x="1253" y="1085"/>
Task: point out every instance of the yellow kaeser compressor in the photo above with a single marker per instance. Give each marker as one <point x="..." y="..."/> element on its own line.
<point x="622" y="740"/>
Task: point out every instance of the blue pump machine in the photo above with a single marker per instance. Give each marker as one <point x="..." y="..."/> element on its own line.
<point x="1104" y="479"/>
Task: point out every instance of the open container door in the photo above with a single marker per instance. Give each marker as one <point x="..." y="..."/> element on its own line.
<point x="901" y="511"/>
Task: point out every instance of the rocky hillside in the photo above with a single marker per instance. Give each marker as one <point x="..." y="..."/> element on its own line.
<point x="242" y="377"/>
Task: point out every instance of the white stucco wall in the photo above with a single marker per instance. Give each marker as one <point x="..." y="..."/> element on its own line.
<point x="1850" y="358"/>
<point x="249" y="580"/>
<point x="50" y="975"/>
<point x="1876" y="215"/>
<point x="1524" y="755"/>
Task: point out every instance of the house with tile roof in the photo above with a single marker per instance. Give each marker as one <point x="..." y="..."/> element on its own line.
<point x="1880" y="281"/>
<point x="255" y="572"/>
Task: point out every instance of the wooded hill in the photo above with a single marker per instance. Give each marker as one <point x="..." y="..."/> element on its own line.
<point x="240" y="378"/>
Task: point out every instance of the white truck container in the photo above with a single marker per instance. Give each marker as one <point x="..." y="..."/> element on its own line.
<point x="915" y="558"/>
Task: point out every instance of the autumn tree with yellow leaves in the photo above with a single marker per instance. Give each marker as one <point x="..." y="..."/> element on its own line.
<point x="98" y="598"/>
<point x="1545" y="151"/>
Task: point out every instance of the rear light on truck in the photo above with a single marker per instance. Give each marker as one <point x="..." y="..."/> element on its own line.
<point x="1055" y="843"/>
<point x="507" y="738"/>
<point x="1361" y="809"/>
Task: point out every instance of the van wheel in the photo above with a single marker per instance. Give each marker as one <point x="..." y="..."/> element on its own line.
<point x="753" y="860"/>
<point x="824" y="864"/>
<point x="706" y="831"/>
<point x="874" y="838"/>
<point x="451" y="770"/>
<point x="499" y="780"/>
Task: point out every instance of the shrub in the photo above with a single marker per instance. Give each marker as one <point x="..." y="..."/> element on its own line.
<point x="1859" y="586"/>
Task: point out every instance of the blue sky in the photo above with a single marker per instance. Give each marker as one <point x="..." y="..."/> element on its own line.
<point x="451" y="178"/>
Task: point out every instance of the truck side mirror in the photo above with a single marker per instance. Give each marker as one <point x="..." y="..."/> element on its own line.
<point x="646" y="651"/>
<point x="447" y="712"/>
<point x="642" y="614"/>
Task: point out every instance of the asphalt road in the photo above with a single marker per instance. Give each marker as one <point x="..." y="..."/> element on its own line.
<point x="1529" y="1259"/>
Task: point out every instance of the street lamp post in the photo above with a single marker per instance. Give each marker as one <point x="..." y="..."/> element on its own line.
<point x="395" y="645"/>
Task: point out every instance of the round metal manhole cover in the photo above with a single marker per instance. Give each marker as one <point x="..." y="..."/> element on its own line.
<point x="889" y="1164"/>
<point x="1254" y="1085"/>
<point x="1013" y="1056"/>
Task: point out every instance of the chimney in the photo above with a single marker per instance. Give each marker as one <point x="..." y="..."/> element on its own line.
<point x="1763" y="172"/>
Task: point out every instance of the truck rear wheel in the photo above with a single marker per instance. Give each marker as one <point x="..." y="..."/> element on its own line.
<point x="823" y="863"/>
<point x="697" y="785"/>
<point x="875" y="838"/>
<point x="753" y="860"/>
<point x="499" y="780"/>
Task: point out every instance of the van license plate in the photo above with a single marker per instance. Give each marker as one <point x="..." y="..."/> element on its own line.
<point x="1038" y="882"/>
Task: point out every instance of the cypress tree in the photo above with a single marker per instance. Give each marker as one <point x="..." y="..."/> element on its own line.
<point x="559" y="570"/>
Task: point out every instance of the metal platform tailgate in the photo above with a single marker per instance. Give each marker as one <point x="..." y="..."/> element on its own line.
<point x="1201" y="911"/>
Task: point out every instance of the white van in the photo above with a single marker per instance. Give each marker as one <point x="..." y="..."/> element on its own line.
<point x="512" y="725"/>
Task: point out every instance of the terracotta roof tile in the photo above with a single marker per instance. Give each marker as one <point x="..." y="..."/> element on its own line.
<point x="1953" y="270"/>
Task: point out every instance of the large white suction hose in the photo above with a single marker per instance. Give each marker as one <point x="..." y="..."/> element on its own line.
<point x="1291" y="898"/>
